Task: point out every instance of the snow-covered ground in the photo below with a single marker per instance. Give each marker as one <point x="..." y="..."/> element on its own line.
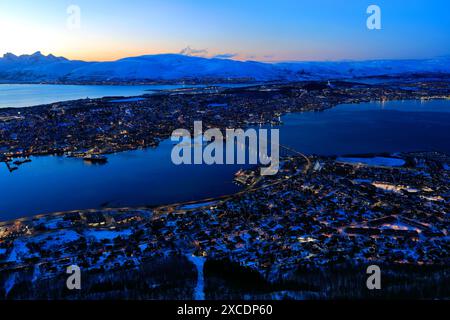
<point x="107" y="234"/>
<point x="199" y="262"/>
<point x="9" y="283"/>
<point x="36" y="273"/>
<point x="38" y="67"/>
<point x="19" y="250"/>
<point x="57" y="238"/>
<point x="47" y="241"/>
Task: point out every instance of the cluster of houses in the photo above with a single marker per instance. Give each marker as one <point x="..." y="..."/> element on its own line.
<point x="104" y="125"/>
<point x="334" y="214"/>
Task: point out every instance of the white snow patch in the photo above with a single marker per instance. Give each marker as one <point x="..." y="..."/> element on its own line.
<point x="57" y="238"/>
<point x="36" y="273"/>
<point x="19" y="250"/>
<point x="199" y="262"/>
<point x="107" y="234"/>
<point x="9" y="284"/>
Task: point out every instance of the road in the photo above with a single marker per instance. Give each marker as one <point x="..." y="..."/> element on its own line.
<point x="176" y="208"/>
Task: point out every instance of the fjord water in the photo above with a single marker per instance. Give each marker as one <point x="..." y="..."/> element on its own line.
<point x="27" y="95"/>
<point x="371" y="127"/>
<point x="148" y="177"/>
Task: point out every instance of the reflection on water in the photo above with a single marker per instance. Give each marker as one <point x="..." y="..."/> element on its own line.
<point x="147" y="177"/>
<point x="371" y="127"/>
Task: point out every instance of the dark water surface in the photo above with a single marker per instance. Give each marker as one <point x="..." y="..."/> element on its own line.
<point x="145" y="177"/>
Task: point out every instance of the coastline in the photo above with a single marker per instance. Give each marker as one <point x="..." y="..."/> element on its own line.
<point x="156" y="144"/>
<point x="136" y="227"/>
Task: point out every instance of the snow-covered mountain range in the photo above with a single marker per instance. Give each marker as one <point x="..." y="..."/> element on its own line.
<point x="171" y="67"/>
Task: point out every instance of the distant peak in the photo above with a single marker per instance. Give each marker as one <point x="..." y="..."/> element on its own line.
<point x="9" y="55"/>
<point x="37" y="56"/>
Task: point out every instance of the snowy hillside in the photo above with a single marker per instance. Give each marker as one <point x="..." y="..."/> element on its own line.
<point x="40" y="68"/>
<point x="36" y="67"/>
<point x="172" y="67"/>
<point x="350" y="69"/>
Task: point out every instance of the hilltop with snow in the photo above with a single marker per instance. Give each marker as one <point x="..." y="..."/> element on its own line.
<point x="172" y="67"/>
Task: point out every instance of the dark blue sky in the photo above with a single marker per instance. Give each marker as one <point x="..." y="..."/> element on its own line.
<point x="269" y="30"/>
